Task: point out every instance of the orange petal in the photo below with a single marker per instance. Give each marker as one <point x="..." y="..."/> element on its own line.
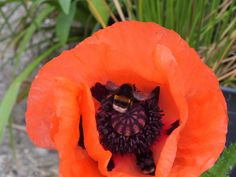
<point x="79" y="164"/>
<point x="203" y="137"/>
<point x="40" y="107"/>
<point x="166" y="63"/>
<point x="74" y="160"/>
<point x="91" y="136"/>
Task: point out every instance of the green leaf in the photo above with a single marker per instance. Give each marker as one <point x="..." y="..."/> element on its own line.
<point x="10" y="96"/>
<point x="31" y="29"/>
<point x="224" y="164"/>
<point x="65" y="5"/>
<point x="7" y="105"/>
<point x="12" y="140"/>
<point x="38" y="1"/>
<point x="99" y="11"/>
<point x="63" y="24"/>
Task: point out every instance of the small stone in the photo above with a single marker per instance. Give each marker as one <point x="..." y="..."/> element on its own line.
<point x="41" y="151"/>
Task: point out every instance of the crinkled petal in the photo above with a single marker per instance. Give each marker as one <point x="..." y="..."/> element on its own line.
<point x="41" y="107"/>
<point x="166" y="63"/>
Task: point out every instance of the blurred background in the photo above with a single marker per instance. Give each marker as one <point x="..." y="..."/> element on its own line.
<point x="34" y="31"/>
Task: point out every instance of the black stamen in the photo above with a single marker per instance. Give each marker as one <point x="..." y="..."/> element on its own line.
<point x="81" y="137"/>
<point x="146" y="162"/>
<point x="110" y="165"/>
<point x="174" y="125"/>
<point x="131" y="131"/>
<point x="156" y="92"/>
<point x="120" y="135"/>
<point x="118" y="143"/>
<point x="99" y="92"/>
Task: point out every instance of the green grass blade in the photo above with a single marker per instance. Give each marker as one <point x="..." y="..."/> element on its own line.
<point x="158" y="7"/>
<point x="150" y="10"/>
<point x="63" y="24"/>
<point x="146" y="13"/>
<point x="30" y="31"/>
<point x="7" y="105"/>
<point x="9" y="16"/>
<point x="224" y="164"/>
<point x="12" y="143"/>
<point x="195" y="23"/>
<point x="65" y="5"/>
<point x="170" y="14"/>
<point x="194" y="30"/>
<point x="38" y="1"/>
<point x="119" y="9"/>
<point x="187" y="20"/>
<point x="229" y="28"/>
<point x="10" y="96"/>
<point x="6" y="20"/>
<point x="229" y="22"/>
<point x="209" y="35"/>
<point x="99" y="11"/>
<point x="140" y="10"/>
<point x="129" y="8"/>
<point x="218" y="19"/>
<point x="182" y="16"/>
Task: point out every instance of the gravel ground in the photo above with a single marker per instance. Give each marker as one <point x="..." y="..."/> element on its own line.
<point x="28" y="161"/>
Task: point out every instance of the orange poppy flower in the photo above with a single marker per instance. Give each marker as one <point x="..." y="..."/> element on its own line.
<point x="93" y="102"/>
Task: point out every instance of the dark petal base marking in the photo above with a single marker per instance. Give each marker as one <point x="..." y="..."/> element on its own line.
<point x="81" y="137"/>
<point x="174" y="125"/>
<point x="110" y="165"/>
<point x="131" y="132"/>
<point x="137" y="143"/>
<point x="146" y="162"/>
<point x="156" y="92"/>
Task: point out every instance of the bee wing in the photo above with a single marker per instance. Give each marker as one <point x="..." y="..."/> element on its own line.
<point x="111" y="86"/>
<point x="140" y="96"/>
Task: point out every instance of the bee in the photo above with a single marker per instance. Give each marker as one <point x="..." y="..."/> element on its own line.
<point x="128" y="122"/>
<point x="125" y="95"/>
<point x="123" y="98"/>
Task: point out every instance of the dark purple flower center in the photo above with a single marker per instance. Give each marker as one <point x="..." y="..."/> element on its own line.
<point x="128" y="122"/>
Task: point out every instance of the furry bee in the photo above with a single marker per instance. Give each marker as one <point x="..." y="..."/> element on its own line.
<point x="123" y="98"/>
